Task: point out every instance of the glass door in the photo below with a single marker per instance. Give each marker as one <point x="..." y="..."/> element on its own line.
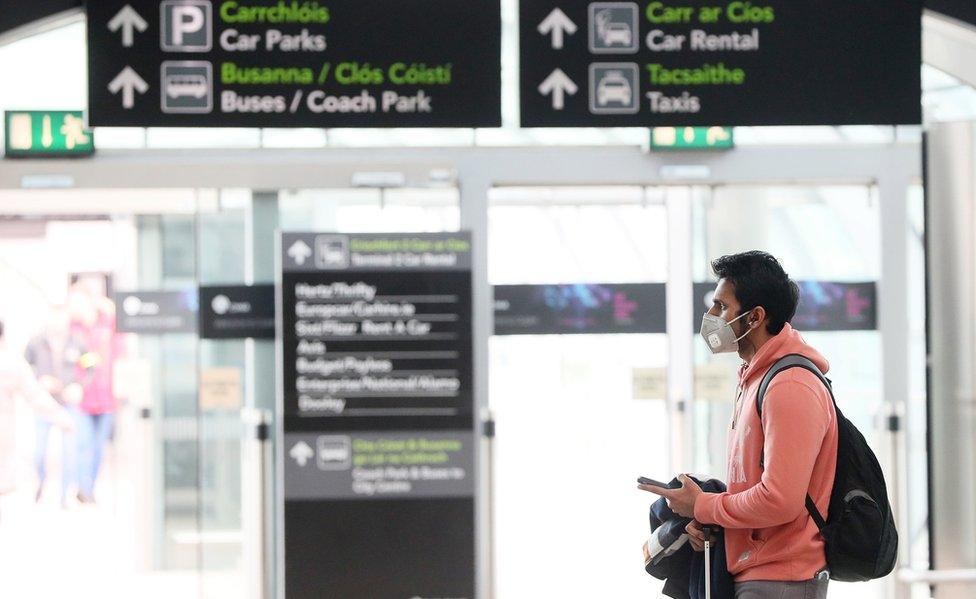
<point x="580" y="414"/>
<point x="112" y="502"/>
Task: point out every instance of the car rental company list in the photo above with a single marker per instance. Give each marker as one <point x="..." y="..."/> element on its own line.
<point x="351" y="311"/>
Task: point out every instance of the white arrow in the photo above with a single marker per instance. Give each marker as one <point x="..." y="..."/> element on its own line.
<point x="558" y="24"/>
<point x="128" y="20"/>
<point x="558" y="84"/>
<point x="129" y="82"/>
<point x="300" y="252"/>
<point x="301" y="453"/>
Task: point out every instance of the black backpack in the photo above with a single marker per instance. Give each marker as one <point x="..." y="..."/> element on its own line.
<point x="860" y="535"/>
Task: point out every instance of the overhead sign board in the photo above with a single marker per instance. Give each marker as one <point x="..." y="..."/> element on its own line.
<point x="50" y="133"/>
<point x="824" y="306"/>
<point x="28" y="13"/>
<point x="300" y="63"/>
<point x="580" y="309"/>
<point x="963" y="10"/>
<point x="375" y="336"/>
<point x="697" y="63"/>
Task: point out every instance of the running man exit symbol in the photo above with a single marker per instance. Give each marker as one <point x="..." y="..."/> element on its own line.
<point x="186" y="25"/>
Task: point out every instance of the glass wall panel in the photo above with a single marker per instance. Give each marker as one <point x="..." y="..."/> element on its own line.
<point x="221" y="261"/>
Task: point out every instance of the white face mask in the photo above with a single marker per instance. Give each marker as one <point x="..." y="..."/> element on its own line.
<point x="718" y="333"/>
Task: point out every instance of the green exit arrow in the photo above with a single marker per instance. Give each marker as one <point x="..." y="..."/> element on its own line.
<point x="692" y="138"/>
<point x="46" y="133"/>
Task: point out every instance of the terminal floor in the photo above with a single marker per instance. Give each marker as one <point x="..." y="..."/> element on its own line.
<point x="93" y="552"/>
<point x="83" y="552"/>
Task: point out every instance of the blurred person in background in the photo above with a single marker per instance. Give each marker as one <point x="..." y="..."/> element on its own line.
<point x="17" y="380"/>
<point x="54" y="356"/>
<point x="93" y="321"/>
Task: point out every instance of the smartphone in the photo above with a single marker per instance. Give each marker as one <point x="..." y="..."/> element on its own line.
<point x="650" y="481"/>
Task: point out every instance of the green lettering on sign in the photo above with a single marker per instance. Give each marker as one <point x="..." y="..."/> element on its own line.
<point x="38" y="133"/>
<point x="692" y="138"/>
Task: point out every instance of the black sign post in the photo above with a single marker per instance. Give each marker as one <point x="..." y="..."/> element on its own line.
<point x="377" y="451"/>
<point x="305" y="63"/>
<point x="729" y="62"/>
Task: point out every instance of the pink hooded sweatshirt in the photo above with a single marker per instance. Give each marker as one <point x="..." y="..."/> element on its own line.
<point x="768" y="533"/>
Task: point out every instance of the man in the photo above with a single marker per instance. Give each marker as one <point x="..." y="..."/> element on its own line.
<point x="773" y="546"/>
<point x="54" y="356"/>
<point x="17" y="380"/>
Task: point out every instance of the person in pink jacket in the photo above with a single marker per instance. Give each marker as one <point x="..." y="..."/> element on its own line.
<point x="773" y="547"/>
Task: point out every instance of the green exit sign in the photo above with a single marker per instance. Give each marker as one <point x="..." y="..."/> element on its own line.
<point x="692" y="138"/>
<point x="36" y="133"/>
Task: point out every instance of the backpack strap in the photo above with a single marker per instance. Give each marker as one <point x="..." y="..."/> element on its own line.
<point x="786" y="363"/>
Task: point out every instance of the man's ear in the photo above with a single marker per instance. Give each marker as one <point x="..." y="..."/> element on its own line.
<point x="758" y="317"/>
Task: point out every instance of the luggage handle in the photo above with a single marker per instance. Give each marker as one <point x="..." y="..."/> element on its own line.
<point x="707" y="530"/>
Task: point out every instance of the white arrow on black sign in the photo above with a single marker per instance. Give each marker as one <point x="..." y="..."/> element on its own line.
<point x="300" y="252"/>
<point x="301" y="453"/>
<point x="558" y="84"/>
<point x="558" y="24"/>
<point x="129" y="82"/>
<point x="128" y="20"/>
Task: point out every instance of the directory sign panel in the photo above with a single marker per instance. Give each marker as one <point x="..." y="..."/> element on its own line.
<point x="304" y="63"/>
<point x="378" y="451"/>
<point x="698" y="63"/>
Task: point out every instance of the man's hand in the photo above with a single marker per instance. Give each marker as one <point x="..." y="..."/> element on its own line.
<point x="696" y="536"/>
<point x="681" y="501"/>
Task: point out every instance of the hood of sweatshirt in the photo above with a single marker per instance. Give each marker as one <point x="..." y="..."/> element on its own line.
<point x="788" y="341"/>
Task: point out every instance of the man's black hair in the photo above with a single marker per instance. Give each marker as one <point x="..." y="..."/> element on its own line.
<point x="759" y="280"/>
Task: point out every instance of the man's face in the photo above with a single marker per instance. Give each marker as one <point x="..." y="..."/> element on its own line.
<point x="726" y="307"/>
<point x="724" y="304"/>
